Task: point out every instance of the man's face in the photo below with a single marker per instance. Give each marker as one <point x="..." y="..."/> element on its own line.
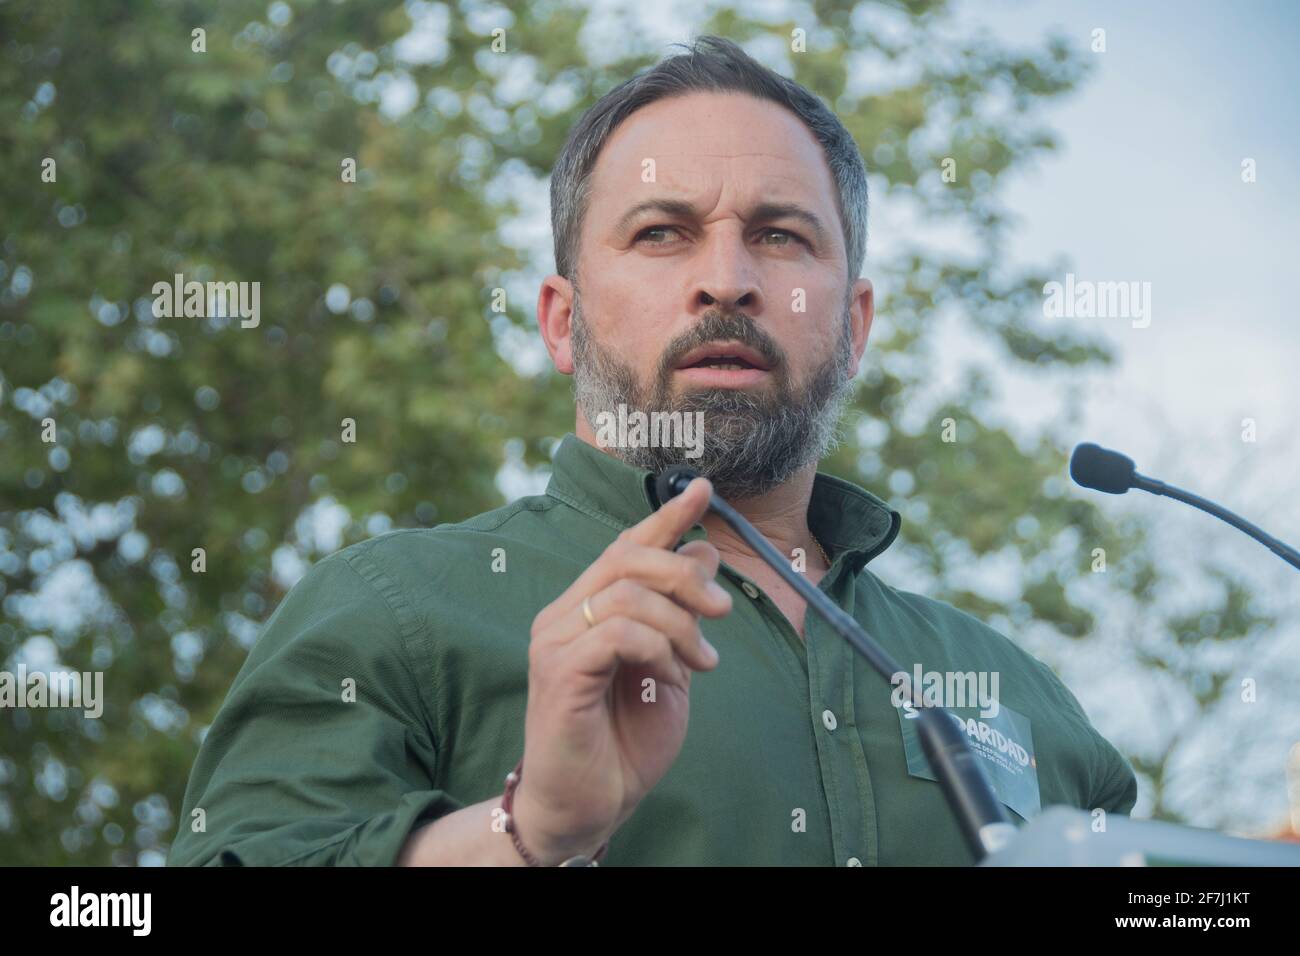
<point x="713" y="278"/>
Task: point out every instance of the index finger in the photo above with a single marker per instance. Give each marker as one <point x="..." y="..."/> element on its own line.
<point x="665" y="527"/>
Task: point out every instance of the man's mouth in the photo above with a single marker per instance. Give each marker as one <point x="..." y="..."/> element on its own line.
<point x="724" y="365"/>
<point x="727" y="356"/>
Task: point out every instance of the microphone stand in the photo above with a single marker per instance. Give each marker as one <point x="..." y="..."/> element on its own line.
<point x="983" y="821"/>
<point x="1157" y="487"/>
<point x="1109" y="471"/>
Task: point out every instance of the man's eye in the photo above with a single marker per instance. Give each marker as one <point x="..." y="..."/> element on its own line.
<point x="780" y="232"/>
<point x="651" y="229"/>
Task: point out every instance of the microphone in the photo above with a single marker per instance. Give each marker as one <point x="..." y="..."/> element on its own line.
<point x="671" y="482"/>
<point x="983" y="821"/>
<point x="1101" y="469"/>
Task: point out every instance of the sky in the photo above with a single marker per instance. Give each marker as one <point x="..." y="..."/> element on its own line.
<point x="1148" y="187"/>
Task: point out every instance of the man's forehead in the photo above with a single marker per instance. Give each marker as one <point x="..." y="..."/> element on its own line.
<point x="699" y="142"/>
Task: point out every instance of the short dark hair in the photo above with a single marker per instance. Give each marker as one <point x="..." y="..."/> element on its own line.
<point x="712" y="64"/>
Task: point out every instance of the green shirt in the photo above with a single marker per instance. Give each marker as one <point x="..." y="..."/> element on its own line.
<point x="793" y="756"/>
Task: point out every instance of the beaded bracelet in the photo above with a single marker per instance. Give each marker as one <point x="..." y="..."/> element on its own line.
<point x="507" y="805"/>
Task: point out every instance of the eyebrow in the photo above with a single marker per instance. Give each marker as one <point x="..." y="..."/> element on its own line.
<point x="763" y="212"/>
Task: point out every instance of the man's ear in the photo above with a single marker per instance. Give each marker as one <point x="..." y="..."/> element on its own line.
<point x="862" y="309"/>
<point x="555" y="319"/>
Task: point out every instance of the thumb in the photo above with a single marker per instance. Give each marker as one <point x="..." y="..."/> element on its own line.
<point x="665" y="527"/>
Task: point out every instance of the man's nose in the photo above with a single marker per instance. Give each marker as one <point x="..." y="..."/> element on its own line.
<point x="728" y="277"/>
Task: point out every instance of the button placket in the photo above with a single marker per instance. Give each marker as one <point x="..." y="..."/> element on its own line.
<point x="839" y="744"/>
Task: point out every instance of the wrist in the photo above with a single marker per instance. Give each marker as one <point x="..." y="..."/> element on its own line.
<point x="534" y="841"/>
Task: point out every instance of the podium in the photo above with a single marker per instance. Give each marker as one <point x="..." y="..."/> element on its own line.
<point x="1064" y="836"/>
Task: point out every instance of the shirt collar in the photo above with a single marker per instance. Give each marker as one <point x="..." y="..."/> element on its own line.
<point x="846" y="519"/>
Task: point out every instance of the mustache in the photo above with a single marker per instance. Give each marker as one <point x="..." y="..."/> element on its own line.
<point x="717" y="326"/>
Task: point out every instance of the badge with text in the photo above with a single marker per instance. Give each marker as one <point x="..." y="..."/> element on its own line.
<point x="1003" y="743"/>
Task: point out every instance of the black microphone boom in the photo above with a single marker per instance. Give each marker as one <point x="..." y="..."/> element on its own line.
<point x="983" y="822"/>
<point x="1101" y="469"/>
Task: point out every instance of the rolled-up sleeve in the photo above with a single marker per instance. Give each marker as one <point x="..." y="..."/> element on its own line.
<point x="323" y="752"/>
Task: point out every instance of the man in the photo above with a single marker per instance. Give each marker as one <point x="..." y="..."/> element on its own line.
<point x="709" y="222"/>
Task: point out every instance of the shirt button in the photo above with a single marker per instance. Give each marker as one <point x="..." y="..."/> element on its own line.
<point x="749" y="589"/>
<point x="853" y="861"/>
<point x="829" y="720"/>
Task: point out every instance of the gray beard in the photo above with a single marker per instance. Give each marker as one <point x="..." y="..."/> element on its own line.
<point x="752" y="441"/>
